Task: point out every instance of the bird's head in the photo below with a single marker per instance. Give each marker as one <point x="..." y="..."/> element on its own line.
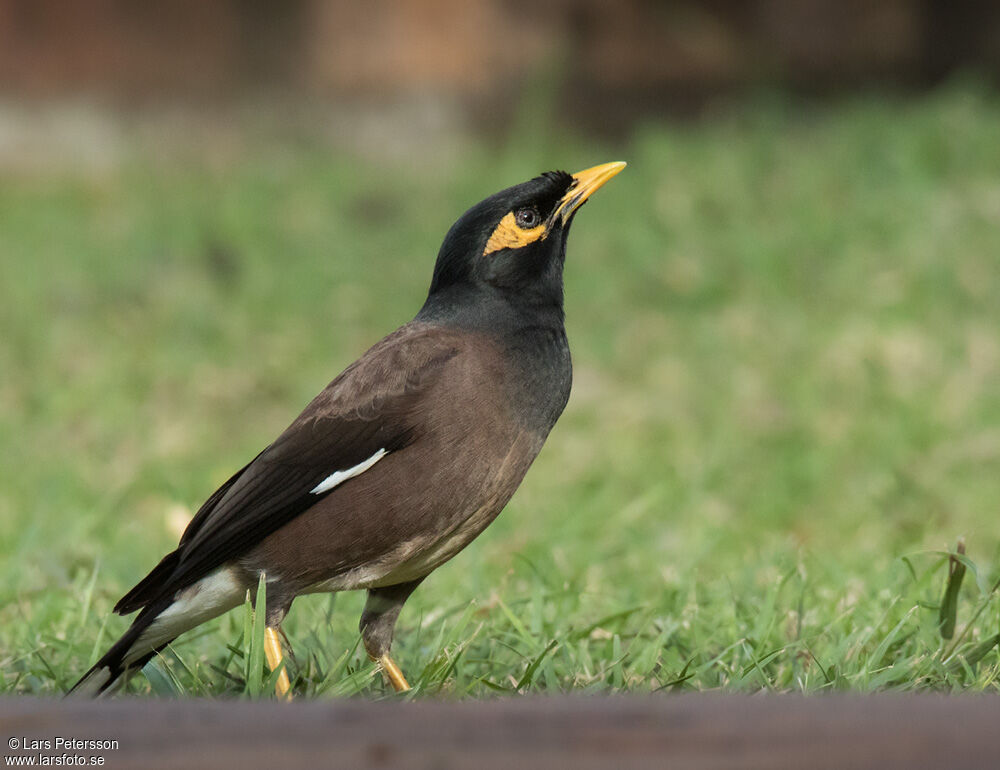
<point x="514" y="242"/>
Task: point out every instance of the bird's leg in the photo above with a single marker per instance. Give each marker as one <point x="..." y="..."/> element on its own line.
<point x="272" y="650"/>
<point x="377" y="623"/>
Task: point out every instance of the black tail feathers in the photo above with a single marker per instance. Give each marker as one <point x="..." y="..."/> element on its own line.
<point x="116" y="661"/>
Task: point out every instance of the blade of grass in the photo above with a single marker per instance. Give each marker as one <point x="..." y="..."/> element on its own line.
<point x="529" y="673"/>
<point x="160" y="680"/>
<point x="975" y="616"/>
<point x="88" y="593"/>
<point x="255" y="651"/>
<point x="948" y="613"/>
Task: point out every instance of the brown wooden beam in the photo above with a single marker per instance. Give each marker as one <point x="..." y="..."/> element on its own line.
<point x="689" y="731"/>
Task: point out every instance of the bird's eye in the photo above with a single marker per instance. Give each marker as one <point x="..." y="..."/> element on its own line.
<point x="527" y="217"/>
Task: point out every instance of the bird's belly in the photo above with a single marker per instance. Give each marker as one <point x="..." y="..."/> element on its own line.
<point x="423" y="560"/>
<point x="411" y="559"/>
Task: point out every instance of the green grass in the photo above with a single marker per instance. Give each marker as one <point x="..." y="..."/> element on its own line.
<point x="786" y="411"/>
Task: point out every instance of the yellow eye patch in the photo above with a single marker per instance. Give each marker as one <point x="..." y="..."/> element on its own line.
<point x="509" y="236"/>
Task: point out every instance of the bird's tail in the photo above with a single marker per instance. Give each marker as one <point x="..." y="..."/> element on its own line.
<point x="159" y="623"/>
<point x="135" y="648"/>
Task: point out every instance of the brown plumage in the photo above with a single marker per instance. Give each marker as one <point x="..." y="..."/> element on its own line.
<point x="405" y="457"/>
<point x="366" y="532"/>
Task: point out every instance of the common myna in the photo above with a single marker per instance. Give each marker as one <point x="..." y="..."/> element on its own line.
<point x="400" y="461"/>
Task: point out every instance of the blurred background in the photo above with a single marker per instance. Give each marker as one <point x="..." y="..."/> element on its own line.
<point x="784" y="317"/>
<point x="446" y="64"/>
<point x="636" y="57"/>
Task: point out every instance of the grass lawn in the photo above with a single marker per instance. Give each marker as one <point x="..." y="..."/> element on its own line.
<point x="786" y="333"/>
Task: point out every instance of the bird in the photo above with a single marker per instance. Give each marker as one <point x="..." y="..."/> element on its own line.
<point x="401" y="461"/>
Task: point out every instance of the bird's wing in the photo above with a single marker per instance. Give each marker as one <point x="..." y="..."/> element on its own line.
<point x="372" y="409"/>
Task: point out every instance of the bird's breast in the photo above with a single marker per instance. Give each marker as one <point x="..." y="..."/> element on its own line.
<point x="539" y="378"/>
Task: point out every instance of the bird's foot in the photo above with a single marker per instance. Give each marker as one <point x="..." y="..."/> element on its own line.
<point x="393" y="674"/>
<point x="273" y="652"/>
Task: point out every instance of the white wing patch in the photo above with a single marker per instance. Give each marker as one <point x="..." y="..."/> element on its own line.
<point x="339" y="477"/>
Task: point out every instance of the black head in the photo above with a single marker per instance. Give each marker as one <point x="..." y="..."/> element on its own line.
<point x="513" y="244"/>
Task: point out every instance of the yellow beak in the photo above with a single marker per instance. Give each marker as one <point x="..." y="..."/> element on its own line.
<point x="585" y="183"/>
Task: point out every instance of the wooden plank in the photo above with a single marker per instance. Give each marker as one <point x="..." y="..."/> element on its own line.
<point x="687" y="731"/>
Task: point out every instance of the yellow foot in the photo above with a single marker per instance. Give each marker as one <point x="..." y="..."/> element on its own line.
<point x="393" y="674"/>
<point x="272" y="650"/>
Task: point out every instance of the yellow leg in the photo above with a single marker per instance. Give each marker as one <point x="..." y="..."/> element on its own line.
<point x="272" y="650"/>
<point x="393" y="674"/>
